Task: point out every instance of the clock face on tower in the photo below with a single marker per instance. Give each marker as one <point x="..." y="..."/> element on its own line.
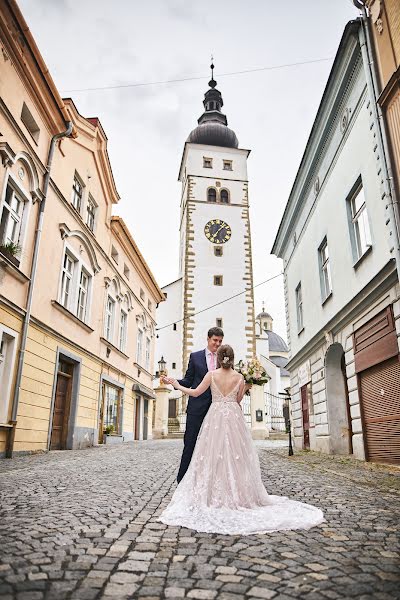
<point x="217" y="231"/>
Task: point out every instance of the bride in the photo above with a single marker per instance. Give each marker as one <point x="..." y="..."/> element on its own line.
<point x="222" y="490"/>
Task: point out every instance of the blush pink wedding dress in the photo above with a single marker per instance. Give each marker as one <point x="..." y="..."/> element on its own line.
<point x="222" y="490"/>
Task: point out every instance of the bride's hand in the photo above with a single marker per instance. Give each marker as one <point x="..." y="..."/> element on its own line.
<point x="174" y="383"/>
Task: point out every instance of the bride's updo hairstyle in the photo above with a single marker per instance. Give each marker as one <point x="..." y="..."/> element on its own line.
<point x="225" y="357"/>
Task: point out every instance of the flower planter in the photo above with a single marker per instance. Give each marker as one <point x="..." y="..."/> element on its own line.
<point x="112" y="439"/>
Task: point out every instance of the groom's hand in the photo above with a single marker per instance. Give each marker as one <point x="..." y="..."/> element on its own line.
<point x="166" y="380"/>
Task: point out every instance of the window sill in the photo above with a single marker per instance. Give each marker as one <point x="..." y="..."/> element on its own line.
<point x="327" y="298"/>
<point x="110" y="344"/>
<point x="359" y="260"/>
<point x="14" y="269"/>
<point x="71" y="315"/>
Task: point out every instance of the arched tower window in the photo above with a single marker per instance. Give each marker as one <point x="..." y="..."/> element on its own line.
<point x="211" y="195"/>
<point x="224" y="195"/>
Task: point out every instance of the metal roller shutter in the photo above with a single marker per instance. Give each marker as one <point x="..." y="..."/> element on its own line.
<point x="380" y="394"/>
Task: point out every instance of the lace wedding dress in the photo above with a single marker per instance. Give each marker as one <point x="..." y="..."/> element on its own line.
<point x="222" y="491"/>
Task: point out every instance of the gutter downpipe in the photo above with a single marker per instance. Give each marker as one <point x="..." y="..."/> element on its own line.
<point x="390" y="192"/>
<point x="27" y="318"/>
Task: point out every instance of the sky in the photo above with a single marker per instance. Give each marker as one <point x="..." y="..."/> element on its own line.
<point x="98" y="43"/>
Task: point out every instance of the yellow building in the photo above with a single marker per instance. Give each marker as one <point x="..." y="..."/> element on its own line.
<point x="384" y="30"/>
<point x="77" y="299"/>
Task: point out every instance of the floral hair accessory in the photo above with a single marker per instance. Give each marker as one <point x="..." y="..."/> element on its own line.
<point x="225" y="359"/>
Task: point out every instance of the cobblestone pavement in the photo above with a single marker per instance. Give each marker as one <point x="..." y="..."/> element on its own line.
<point x="82" y="525"/>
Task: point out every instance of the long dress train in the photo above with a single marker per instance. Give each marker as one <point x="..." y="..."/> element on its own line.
<point x="222" y="490"/>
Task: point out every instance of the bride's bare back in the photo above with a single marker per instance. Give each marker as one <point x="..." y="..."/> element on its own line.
<point x="226" y="380"/>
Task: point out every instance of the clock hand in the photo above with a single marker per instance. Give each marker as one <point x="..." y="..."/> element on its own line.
<point x="218" y="230"/>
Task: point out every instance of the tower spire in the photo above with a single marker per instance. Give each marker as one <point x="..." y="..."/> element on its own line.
<point x="212" y="83"/>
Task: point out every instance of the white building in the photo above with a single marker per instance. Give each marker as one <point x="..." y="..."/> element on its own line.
<point x="273" y="352"/>
<point x="215" y="246"/>
<point x="341" y="287"/>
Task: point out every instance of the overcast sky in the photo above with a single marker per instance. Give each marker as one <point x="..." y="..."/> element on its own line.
<point x="96" y="43"/>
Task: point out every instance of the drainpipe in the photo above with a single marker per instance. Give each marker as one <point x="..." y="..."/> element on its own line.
<point x="27" y="318"/>
<point x="390" y="192"/>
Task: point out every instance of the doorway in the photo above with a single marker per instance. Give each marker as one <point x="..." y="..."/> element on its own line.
<point x="137" y="418"/>
<point x="62" y="406"/>
<point x="337" y="400"/>
<point x="146" y="419"/>
<point x="306" y="417"/>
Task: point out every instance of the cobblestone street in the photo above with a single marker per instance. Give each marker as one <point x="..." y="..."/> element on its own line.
<point x="83" y="525"/>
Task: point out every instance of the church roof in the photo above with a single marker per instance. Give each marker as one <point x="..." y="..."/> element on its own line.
<point x="281" y="362"/>
<point x="276" y="343"/>
<point x="212" y="129"/>
<point x="263" y="315"/>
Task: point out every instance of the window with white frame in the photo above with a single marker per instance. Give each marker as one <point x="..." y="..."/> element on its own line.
<point x="139" y="347"/>
<point x="77" y="193"/>
<point x="325" y="270"/>
<point x="299" y="308"/>
<point x="8" y="346"/>
<point x="83" y="294"/>
<point x="147" y="358"/>
<point x="109" y="318"/>
<point x="112" y="407"/>
<point x="11" y="217"/>
<point x="360" y="231"/>
<point x="123" y="324"/>
<point x="90" y="212"/>
<point x="75" y="285"/>
<point x="67" y="281"/>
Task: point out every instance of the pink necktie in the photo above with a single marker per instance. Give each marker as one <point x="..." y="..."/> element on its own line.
<point x="212" y="362"/>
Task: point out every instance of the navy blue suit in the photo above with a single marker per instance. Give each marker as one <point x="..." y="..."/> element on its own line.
<point x="197" y="408"/>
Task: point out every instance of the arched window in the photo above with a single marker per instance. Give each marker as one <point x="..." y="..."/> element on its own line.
<point x="211" y="195"/>
<point x="224" y="196"/>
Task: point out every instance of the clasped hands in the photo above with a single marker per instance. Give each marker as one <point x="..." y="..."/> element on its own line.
<point x="169" y="381"/>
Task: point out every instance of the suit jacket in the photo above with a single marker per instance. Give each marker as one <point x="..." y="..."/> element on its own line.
<point x="197" y="369"/>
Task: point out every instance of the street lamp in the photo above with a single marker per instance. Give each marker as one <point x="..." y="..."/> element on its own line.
<point x="286" y="416"/>
<point x="161" y="366"/>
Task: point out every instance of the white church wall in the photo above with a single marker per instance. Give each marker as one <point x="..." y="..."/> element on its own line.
<point x="169" y="342"/>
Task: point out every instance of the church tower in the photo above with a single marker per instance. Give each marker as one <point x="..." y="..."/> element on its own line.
<point x="216" y="260"/>
<point x="215" y="284"/>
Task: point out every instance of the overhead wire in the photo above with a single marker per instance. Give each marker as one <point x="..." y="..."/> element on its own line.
<point x="218" y="303"/>
<point x="195" y="78"/>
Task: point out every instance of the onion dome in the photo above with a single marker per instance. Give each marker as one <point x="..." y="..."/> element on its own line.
<point x="212" y="129"/>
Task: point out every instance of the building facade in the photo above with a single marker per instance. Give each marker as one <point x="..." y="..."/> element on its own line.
<point x="77" y="299"/>
<point x="215" y="247"/>
<point x="341" y="283"/>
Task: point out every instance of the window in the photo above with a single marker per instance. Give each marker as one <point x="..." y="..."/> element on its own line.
<point x="30" y="123"/>
<point x="149" y="305"/>
<point x="211" y="195"/>
<point x="325" y="270"/>
<point x="207" y="163"/>
<point x="299" y="308"/>
<point x="224" y="196"/>
<point x="227" y="165"/>
<point x="77" y="193"/>
<point x="67" y="281"/>
<point x="360" y="232"/>
<point x="75" y="286"/>
<point x="174" y="365"/>
<point x="8" y="346"/>
<point x="142" y="294"/>
<point x="90" y="213"/>
<point x="123" y="322"/>
<point x="218" y="250"/>
<point x="219" y="323"/>
<point x="147" y="357"/>
<point x="218" y="280"/>
<point x="83" y="295"/>
<point x="126" y="271"/>
<point x="139" y="347"/>
<point x="112" y="407"/>
<point x="11" y="217"/>
<point x="174" y="327"/>
<point x="114" y="254"/>
<point x="109" y="320"/>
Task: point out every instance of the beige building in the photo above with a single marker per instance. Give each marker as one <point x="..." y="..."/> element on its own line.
<point x="77" y="299"/>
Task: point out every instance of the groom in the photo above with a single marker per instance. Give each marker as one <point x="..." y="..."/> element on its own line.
<point x="199" y="364"/>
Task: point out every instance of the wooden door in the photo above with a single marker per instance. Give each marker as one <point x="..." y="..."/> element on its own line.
<point x="101" y="419"/>
<point x="306" y="416"/>
<point x="172" y="408"/>
<point x="62" y="400"/>
<point x="137" y="418"/>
